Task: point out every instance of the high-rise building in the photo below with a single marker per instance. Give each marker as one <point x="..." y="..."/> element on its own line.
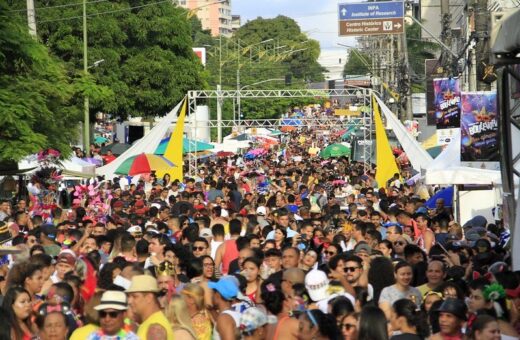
<point x="214" y="15"/>
<point x="235" y="23"/>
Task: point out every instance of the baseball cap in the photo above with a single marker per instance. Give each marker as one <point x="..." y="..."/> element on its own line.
<point x="254" y="318"/>
<point x="205" y="232"/>
<point x="135" y="229"/>
<point x="363" y="247"/>
<point x="261" y="211"/>
<point x="67" y="258"/>
<point x="226" y="286"/>
<point x="49" y="230"/>
<point x="317" y="283"/>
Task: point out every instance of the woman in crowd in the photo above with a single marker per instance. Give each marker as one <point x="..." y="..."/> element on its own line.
<point x="27" y="275"/>
<point x="251" y="272"/>
<point x="179" y="319"/>
<point x="281" y="306"/>
<point x="398" y="247"/>
<point x="314" y="324"/>
<point x="17" y="306"/>
<point x="280" y="237"/>
<point x="309" y="260"/>
<point x="400" y="290"/>
<point x="349" y="326"/>
<point x="409" y="320"/>
<point x="201" y="320"/>
<point x="429" y="299"/>
<point x="372" y="324"/>
<point x="385" y="247"/>
<point x="484" y="327"/>
<point x="52" y="322"/>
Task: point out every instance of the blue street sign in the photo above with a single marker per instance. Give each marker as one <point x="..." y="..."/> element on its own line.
<point x="371" y="10"/>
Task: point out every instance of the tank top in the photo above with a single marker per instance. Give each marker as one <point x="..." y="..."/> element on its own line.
<point x="230" y="254"/>
<point x="236" y="317"/>
<point x="156" y="318"/>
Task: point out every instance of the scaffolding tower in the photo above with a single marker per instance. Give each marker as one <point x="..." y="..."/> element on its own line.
<point x="363" y="95"/>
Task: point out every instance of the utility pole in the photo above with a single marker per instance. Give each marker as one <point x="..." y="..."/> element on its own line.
<point x="447" y="60"/>
<point x="31" y="18"/>
<point x="86" y="123"/>
<point x="407" y="91"/>
<point x="482" y="20"/>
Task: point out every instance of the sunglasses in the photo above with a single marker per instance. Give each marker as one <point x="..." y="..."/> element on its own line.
<point x="103" y="314"/>
<point x="399" y="243"/>
<point x="350" y="269"/>
<point x="329" y="252"/>
<point x="348" y="326"/>
<point x="199" y="248"/>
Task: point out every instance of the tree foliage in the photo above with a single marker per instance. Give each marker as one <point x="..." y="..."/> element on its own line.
<point x="146" y="47"/>
<point x="265" y="51"/>
<point x="357" y="63"/>
<point x="418" y="51"/>
<point x="37" y="108"/>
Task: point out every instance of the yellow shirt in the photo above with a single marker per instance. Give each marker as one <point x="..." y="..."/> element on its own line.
<point x="156" y="318"/>
<point x="83" y="332"/>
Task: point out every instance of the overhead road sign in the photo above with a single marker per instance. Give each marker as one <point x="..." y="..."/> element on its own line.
<point x="367" y="18"/>
<point x="373" y="26"/>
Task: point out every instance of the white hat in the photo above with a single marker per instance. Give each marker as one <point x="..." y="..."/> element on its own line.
<point x="135" y="229"/>
<point x="205" y="232"/>
<point x="317" y="284"/>
<point x="112" y="299"/>
<point x="262" y="211"/>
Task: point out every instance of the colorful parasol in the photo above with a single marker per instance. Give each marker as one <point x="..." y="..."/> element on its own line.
<point x="144" y="164"/>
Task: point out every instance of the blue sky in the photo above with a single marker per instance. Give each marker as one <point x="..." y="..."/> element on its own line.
<point x="319" y="18"/>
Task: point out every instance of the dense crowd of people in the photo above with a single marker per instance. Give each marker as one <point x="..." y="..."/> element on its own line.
<point x="283" y="246"/>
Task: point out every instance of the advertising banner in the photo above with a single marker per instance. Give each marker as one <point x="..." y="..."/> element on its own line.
<point x="447" y="102"/>
<point x="432" y="70"/>
<point x="479" y="127"/>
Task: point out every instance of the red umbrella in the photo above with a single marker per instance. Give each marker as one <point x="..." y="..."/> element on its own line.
<point x="225" y="154"/>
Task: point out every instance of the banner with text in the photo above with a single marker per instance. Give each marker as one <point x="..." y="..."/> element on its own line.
<point x="447" y="102"/>
<point x="479" y="127"/>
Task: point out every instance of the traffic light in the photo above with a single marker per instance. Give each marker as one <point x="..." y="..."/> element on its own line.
<point x="288" y="79"/>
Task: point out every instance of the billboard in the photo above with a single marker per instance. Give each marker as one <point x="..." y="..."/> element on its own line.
<point x="479" y="127"/>
<point x="447" y="103"/>
<point x="433" y="69"/>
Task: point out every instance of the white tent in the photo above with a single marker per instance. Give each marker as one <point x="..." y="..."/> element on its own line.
<point x="71" y="168"/>
<point x="258" y="131"/>
<point x="419" y="158"/>
<point x="147" y="144"/>
<point x="231" y="145"/>
<point x="446" y="169"/>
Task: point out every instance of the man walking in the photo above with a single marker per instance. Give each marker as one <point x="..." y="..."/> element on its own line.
<point x="112" y="312"/>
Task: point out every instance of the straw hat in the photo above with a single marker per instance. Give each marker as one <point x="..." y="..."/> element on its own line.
<point x="112" y="299"/>
<point x="144" y="284"/>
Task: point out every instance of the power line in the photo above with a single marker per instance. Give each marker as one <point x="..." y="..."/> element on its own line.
<point x="60" y="6"/>
<point x="107" y="12"/>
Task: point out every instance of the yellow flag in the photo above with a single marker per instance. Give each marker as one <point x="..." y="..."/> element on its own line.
<point x="385" y="160"/>
<point x="173" y="151"/>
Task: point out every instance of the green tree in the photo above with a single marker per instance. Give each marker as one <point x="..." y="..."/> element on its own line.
<point x="147" y="50"/>
<point x="258" y="62"/>
<point x="418" y="51"/>
<point x="37" y="108"/>
<point x="358" y="63"/>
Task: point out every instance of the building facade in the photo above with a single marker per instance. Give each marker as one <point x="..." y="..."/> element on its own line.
<point x="214" y="15"/>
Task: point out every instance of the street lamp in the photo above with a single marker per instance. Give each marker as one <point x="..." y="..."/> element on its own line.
<point x="238" y="71"/>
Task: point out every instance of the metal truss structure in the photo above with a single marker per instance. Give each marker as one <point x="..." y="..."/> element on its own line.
<point x="363" y="95"/>
<point x="509" y="132"/>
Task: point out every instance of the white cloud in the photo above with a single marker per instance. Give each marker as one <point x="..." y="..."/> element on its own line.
<point x="318" y="18"/>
